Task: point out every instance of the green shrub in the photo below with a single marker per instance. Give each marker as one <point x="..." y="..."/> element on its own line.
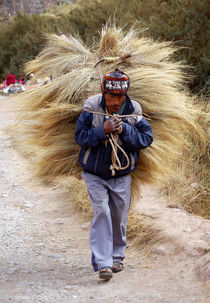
<point x="183" y="21"/>
<point x="22" y="39"/>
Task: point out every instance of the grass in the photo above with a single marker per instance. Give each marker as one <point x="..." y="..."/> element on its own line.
<point x="189" y="186"/>
<point x="142" y="233"/>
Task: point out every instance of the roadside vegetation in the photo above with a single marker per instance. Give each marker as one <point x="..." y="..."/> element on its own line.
<point x="182" y="21"/>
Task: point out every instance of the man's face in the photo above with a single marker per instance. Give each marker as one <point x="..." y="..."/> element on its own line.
<point x="113" y="103"/>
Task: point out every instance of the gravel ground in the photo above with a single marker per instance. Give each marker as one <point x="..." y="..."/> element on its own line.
<point x="44" y="248"/>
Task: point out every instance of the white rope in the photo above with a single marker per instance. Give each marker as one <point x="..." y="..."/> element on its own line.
<point x="116" y="164"/>
<point x="120" y="116"/>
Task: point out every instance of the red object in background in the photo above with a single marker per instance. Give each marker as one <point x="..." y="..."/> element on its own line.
<point x="10" y="79"/>
<point x="20" y="81"/>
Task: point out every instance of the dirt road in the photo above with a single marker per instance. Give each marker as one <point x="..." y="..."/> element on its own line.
<point x="44" y="246"/>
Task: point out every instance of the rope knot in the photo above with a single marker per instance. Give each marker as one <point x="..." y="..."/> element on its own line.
<point x="112" y="59"/>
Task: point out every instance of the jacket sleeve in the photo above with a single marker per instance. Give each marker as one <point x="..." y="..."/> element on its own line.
<point x="87" y="135"/>
<point x="138" y="136"/>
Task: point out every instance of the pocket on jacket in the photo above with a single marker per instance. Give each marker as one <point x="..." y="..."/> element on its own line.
<point x="86" y="155"/>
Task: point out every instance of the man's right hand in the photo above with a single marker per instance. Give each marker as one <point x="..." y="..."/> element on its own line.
<point x="112" y="125"/>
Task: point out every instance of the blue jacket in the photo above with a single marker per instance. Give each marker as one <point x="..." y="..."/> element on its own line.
<point x="95" y="155"/>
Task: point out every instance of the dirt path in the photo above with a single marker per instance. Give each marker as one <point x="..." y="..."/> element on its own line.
<point x="44" y="249"/>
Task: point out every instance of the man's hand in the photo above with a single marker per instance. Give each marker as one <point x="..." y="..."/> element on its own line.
<point x="114" y="124"/>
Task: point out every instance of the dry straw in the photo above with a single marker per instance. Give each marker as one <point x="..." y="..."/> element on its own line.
<point x="49" y="112"/>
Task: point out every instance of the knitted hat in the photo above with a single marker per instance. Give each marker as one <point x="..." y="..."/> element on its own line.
<point x="115" y="82"/>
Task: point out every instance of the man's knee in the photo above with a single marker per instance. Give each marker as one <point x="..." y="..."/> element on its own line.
<point x="101" y="206"/>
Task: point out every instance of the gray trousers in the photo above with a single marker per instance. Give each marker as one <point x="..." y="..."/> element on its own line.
<point x="111" y="202"/>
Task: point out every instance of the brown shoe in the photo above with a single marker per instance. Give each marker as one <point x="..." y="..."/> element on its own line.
<point x="117" y="267"/>
<point x="105" y="273"/>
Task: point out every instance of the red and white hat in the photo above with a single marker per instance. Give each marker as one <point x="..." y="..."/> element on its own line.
<point x="116" y="83"/>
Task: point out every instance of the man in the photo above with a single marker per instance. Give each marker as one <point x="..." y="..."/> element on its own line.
<point x="109" y="185"/>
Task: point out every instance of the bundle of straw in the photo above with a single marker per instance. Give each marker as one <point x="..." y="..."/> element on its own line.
<point x="49" y="112"/>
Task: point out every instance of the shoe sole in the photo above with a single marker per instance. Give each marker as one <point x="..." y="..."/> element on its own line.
<point x="105" y="276"/>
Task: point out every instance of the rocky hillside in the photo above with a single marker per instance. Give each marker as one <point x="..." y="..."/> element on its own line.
<point x="11" y="7"/>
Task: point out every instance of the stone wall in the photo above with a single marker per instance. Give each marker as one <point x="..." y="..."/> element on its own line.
<point x="11" y="7"/>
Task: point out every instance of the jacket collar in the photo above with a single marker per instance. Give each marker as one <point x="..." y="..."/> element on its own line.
<point x="128" y="106"/>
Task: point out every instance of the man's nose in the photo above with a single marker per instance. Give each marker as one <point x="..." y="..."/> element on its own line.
<point x="116" y="101"/>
